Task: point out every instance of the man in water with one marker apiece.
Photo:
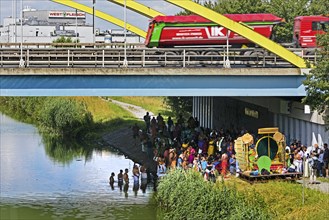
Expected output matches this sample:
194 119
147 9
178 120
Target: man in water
111 180
126 177
120 179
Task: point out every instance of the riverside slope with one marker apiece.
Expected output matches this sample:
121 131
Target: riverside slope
122 139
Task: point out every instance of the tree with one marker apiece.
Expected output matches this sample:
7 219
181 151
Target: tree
317 82
64 117
68 40
180 105
319 7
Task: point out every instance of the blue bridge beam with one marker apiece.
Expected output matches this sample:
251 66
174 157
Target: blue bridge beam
174 82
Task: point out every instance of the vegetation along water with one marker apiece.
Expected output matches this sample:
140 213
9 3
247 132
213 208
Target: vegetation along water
63 180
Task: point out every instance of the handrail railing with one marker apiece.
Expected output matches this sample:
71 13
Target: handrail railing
110 55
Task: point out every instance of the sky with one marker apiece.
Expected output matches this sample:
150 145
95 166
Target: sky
6 10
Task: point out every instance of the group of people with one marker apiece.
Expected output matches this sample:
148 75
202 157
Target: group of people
186 145
311 161
138 173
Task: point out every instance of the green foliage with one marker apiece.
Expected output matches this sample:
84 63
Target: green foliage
288 10
318 7
25 109
185 195
65 151
64 117
63 39
180 105
317 82
285 199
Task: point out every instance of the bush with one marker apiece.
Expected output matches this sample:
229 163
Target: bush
185 195
64 117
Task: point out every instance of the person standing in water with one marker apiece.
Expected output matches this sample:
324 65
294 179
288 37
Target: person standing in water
111 180
126 177
120 179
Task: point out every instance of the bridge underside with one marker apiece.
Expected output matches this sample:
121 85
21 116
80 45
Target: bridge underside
180 82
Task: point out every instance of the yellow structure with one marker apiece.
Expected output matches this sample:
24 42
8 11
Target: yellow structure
241 30
102 15
272 145
138 7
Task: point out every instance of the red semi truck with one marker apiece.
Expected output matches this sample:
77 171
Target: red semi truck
194 30
307 27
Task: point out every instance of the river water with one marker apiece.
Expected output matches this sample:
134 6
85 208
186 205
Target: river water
47 182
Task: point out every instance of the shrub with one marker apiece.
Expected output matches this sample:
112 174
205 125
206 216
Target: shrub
64 117
185 195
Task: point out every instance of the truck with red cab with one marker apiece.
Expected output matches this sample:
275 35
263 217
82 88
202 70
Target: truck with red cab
307 27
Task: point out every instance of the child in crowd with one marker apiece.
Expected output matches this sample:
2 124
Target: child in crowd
232 163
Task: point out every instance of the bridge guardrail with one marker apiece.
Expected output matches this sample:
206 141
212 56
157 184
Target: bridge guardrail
146 57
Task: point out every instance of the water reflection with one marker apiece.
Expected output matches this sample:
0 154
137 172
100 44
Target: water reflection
65 151
56 180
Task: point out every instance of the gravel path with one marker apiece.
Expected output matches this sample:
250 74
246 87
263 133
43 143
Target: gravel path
321 186
137 111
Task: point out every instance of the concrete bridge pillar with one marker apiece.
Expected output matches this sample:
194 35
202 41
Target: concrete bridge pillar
203 110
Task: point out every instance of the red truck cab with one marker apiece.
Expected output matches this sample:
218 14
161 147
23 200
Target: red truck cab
307 27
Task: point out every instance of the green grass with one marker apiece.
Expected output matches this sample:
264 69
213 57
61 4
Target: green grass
153 104
103 110
322 179
107 115
285 199
185 195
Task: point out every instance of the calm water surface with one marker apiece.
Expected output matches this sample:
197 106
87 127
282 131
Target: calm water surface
36 184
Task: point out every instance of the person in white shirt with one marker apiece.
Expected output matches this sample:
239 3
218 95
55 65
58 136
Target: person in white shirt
313 167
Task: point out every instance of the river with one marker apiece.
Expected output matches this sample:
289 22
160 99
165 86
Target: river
45 182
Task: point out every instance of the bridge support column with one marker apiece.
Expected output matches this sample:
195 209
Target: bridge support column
203 110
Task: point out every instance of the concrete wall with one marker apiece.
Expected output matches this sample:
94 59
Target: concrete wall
252 113
235 114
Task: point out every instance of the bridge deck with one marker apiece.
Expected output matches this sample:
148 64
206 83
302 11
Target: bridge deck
150 82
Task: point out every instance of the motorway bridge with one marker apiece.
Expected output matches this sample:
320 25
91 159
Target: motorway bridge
255 92
87 69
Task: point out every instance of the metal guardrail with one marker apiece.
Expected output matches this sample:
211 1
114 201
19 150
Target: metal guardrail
112 55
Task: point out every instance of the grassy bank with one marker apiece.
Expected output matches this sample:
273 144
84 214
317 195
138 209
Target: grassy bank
107 116
285 199
152 104
67 114
185 195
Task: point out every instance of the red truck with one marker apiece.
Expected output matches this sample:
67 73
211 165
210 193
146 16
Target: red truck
194 30
307 27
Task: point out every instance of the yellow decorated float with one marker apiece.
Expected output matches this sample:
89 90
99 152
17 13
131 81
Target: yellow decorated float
265 158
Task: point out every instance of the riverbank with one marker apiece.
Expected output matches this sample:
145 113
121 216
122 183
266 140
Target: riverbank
122 140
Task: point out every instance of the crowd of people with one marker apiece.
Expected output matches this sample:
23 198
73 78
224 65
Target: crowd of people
186 145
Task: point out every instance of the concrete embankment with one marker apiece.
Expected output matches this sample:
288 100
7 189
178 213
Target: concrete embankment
122 139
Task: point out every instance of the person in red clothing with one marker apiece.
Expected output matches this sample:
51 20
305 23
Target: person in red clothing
224 164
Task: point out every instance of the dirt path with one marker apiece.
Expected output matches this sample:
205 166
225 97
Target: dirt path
122 139
137 111
321 186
